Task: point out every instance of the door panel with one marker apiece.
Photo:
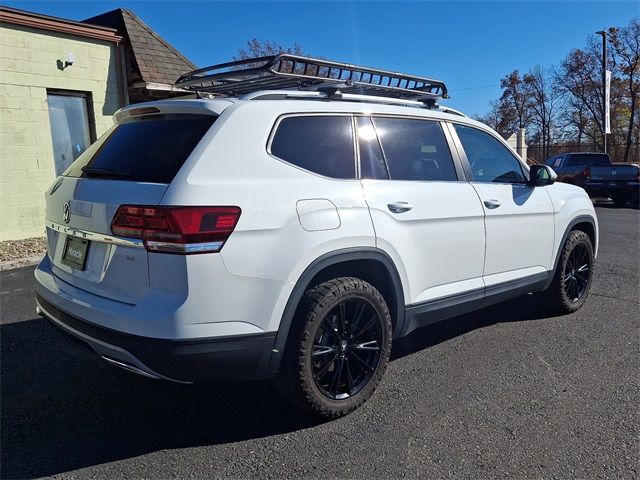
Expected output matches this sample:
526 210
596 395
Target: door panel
440 240
520 228
518 218
428 221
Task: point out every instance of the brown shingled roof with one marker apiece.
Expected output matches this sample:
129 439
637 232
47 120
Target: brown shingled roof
153 59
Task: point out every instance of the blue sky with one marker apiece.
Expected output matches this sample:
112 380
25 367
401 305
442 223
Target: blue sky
468 44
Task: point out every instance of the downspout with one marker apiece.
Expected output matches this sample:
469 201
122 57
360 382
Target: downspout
122 75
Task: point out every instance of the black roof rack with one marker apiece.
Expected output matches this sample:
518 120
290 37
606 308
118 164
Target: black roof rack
286 71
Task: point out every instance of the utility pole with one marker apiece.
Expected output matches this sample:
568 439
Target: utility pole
604 87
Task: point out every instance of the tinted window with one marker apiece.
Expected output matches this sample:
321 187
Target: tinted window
489 159
588 159
320 144
415 149
143 149
371 160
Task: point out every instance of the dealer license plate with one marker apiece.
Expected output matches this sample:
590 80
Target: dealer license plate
75 252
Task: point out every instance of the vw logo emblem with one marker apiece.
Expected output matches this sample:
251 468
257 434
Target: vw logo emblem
66 212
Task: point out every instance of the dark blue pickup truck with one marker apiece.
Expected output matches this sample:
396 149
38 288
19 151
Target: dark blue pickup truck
598 176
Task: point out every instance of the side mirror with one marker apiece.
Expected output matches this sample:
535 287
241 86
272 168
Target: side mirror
541 175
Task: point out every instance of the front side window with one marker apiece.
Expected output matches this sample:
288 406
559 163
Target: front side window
415 149
489 159
320 144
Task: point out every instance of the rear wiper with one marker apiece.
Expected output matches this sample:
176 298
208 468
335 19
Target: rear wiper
103 172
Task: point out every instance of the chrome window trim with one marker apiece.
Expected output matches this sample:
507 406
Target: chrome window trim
93 236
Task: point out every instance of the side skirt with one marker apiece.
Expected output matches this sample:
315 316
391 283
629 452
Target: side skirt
426 313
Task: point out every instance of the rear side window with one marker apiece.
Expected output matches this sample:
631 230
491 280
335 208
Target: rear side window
490 160
415 149
143 149
320 144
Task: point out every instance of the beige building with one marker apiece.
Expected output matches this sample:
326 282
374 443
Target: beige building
60 83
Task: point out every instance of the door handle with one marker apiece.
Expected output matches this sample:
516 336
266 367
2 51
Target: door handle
399 207
491 204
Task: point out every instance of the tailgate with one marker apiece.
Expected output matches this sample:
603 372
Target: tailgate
80 245
614 172
132 164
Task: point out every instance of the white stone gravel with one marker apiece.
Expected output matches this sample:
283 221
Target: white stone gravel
20 253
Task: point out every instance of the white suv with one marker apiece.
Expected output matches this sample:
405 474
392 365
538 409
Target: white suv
294 233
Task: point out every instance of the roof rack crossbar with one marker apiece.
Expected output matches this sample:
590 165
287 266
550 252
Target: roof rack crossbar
286 71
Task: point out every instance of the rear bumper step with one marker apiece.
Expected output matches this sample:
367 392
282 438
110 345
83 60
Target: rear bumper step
238 357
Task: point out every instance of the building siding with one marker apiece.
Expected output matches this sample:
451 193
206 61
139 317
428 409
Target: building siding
28 67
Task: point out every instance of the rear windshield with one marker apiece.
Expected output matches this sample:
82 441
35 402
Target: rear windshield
143 149
588 159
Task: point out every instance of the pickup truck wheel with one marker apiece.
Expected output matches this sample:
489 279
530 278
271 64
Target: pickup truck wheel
620 199
339 352
573 276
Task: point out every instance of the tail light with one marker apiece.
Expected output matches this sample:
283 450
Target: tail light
182 230
587 171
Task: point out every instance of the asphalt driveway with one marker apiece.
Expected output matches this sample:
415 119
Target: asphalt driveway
504 392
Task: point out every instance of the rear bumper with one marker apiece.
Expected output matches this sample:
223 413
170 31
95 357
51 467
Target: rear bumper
605 189
237 357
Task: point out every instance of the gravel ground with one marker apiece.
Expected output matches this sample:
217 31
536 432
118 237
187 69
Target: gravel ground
506 392
15 250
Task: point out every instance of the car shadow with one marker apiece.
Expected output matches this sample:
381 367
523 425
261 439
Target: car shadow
63 409
521 309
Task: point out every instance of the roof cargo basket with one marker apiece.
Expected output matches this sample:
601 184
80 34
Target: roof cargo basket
293 72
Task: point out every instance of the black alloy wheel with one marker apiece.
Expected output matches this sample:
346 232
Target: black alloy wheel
577 273
346 348
572 278
339 349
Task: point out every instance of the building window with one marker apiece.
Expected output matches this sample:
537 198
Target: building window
72 126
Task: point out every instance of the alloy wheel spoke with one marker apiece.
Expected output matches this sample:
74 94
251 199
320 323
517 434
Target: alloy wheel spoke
349 377
322 350
335 381
361 363
328 328
370 323
357 316
372 345
342 308
321 371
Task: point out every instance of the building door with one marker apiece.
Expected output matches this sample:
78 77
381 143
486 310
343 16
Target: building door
70 117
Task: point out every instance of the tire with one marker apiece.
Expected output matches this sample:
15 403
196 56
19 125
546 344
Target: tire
620 199
572 280
338 349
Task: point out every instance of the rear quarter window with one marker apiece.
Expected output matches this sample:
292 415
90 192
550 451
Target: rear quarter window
150 148
320 144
